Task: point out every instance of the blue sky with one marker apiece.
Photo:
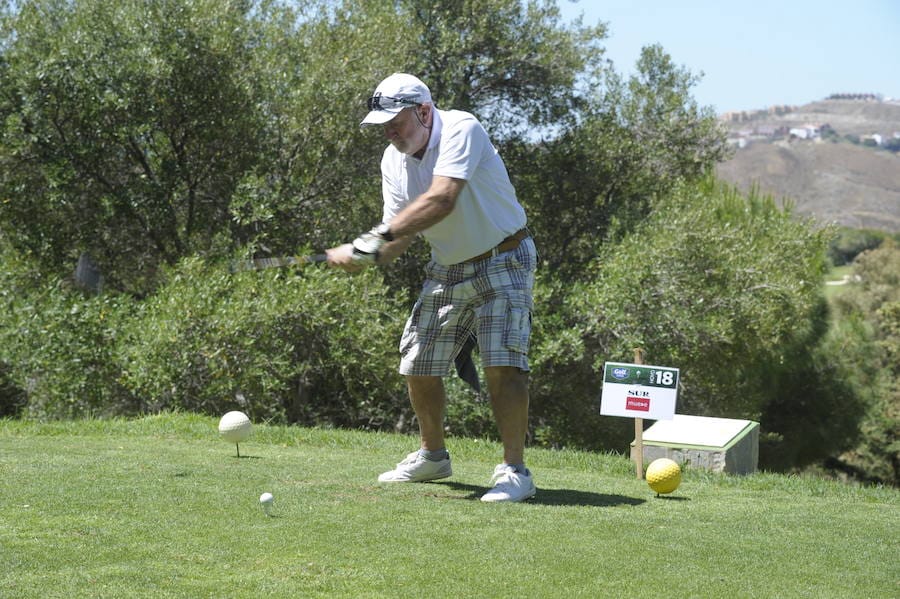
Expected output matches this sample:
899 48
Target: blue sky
762 52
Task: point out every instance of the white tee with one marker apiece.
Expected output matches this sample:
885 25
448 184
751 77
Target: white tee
486 210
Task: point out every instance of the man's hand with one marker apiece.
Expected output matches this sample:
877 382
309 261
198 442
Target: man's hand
342 257
378 246
367 246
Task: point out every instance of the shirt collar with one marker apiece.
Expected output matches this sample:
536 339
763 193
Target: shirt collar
437 125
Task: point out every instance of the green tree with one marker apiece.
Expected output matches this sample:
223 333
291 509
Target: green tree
142 135
725 287
635 141
316 182
154 135
126 126
849 243
873 305
512 63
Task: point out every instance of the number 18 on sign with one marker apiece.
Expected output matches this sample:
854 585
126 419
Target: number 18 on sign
639 391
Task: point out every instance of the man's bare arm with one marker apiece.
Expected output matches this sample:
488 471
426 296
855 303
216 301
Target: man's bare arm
429 208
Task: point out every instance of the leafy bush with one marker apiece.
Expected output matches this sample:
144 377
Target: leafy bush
725 287
874 305
309 345
818 397
596 181
12 398
849 243
58 345
312 346
153 136
126 127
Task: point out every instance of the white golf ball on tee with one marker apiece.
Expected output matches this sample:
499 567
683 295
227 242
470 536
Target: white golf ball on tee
266 500
235 427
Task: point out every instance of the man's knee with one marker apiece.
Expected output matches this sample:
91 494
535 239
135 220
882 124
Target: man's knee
506 380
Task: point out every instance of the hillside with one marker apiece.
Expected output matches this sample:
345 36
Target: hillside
847 117
826 176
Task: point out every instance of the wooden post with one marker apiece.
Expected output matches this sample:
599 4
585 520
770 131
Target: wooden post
639 428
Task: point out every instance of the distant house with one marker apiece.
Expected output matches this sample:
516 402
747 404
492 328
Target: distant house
875 138
809 131
857 97
767 130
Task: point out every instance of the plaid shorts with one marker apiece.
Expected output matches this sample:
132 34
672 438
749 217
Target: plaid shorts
490 299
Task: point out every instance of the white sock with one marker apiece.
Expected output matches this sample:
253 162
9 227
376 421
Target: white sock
434 456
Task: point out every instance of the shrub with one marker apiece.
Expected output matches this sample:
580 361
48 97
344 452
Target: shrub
313 346
308 345
849 243
723 286
873 305
12 397
57 346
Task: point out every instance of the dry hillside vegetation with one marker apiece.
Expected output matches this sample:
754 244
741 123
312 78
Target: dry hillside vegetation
830 180
841 183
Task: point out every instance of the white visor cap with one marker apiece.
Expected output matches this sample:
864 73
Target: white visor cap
392 95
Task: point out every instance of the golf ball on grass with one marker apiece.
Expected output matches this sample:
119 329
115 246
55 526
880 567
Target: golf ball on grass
235 427
663 475
266 500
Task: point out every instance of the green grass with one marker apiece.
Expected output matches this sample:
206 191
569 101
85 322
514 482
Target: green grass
837 274
161 507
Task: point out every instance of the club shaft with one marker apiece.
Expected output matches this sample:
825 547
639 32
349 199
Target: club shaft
278 262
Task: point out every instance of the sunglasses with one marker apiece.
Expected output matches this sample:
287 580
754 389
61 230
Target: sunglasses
379 102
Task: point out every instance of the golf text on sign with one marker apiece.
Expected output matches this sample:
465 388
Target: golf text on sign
639 391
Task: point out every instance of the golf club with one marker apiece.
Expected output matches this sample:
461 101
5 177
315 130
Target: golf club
276 262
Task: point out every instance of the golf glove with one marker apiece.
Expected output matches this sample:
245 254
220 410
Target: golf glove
367 245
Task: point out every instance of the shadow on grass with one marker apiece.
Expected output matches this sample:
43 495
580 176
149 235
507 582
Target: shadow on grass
572 497
554 496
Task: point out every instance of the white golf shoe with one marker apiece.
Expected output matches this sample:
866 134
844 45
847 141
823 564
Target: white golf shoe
510 485
416 469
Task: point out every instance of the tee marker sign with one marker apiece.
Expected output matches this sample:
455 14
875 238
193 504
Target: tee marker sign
639 391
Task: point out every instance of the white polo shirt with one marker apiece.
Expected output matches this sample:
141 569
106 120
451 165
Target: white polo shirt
486 210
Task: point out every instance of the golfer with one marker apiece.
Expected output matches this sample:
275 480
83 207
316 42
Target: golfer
442 178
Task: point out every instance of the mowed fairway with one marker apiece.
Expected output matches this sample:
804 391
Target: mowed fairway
161 507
